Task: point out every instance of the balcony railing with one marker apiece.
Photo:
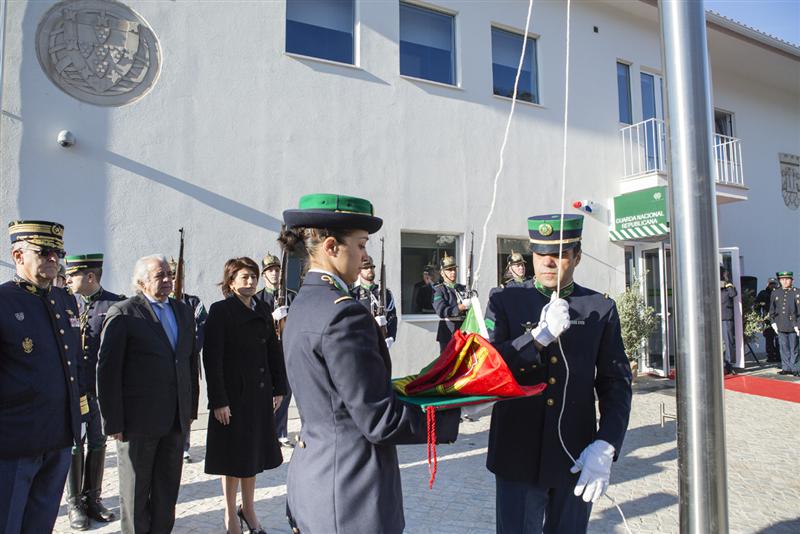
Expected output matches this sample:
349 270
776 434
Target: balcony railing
644 152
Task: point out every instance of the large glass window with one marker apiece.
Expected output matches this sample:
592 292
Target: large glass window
427 44
321 28
507 245
506 48
418 251
624 93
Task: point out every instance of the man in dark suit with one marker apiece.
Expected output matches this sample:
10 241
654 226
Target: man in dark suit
147 385
571 340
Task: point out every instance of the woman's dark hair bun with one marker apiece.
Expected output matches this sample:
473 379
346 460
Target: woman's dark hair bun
291 240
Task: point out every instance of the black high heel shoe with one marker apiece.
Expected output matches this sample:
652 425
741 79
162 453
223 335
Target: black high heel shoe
243 519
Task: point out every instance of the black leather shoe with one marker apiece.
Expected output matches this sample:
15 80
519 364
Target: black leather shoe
242 518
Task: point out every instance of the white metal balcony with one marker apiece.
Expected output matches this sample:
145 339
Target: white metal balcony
644 153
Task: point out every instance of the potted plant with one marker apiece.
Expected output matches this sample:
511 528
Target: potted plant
637 320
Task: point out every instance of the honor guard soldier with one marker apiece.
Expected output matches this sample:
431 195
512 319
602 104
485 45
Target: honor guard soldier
450 301
515 267
368 293
571 341
271 272
422 294
200 317
344 476
85 480
40 406
784 311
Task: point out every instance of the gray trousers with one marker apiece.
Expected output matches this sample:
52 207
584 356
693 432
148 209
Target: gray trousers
788 344
282 414
149 479
729 341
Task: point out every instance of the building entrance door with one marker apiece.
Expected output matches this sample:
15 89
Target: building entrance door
656 277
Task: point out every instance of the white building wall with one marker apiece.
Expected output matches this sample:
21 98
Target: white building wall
235 131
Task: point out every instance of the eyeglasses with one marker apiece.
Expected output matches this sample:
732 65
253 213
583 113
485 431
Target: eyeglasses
46 252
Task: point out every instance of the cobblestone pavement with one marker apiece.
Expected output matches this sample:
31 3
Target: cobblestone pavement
764 490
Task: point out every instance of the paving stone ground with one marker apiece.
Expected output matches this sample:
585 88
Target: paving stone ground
762 456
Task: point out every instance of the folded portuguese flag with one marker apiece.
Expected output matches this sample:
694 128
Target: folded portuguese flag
468 371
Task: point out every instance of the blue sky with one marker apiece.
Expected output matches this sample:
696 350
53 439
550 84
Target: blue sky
780 18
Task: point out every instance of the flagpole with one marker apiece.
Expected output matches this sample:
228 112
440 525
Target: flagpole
701 429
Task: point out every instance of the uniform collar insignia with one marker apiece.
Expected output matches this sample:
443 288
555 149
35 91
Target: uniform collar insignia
31 287
332 279
565 291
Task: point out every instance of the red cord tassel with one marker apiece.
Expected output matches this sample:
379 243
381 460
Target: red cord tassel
430 411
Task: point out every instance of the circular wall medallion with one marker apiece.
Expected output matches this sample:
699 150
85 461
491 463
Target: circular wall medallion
98 51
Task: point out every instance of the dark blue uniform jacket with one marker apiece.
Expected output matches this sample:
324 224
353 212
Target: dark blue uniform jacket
92 315
39 354
445 303
523 439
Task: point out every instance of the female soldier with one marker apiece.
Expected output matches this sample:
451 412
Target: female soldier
246 382
344 475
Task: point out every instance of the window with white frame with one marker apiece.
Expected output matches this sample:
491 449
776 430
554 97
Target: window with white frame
427 44
323 29
506 48
624 93
421 252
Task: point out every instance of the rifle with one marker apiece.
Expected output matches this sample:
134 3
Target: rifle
382 294
178 289
470 270
280 298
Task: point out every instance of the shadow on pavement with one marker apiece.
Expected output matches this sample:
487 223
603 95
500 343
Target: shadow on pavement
790 526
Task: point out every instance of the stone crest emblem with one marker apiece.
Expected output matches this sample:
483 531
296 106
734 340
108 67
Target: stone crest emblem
98 51
790 180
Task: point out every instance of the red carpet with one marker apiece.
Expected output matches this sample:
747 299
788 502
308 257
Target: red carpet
764 387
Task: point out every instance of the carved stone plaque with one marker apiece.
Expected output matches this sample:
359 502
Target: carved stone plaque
790 180
98 51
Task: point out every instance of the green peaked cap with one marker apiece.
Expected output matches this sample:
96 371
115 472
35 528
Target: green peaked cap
78 262
340 212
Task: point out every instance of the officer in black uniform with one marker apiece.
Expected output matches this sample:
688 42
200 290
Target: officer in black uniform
784 311
422 294
727 295
200 317
271 272
516 269
571 340
368 293
40 406
762 308
450 301
85 478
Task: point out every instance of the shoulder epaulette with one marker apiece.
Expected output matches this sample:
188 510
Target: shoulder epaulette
342 299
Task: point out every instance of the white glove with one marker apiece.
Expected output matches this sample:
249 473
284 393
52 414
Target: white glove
381 320
797 330
389 342
594 465
280 313
775 327
553 321
467 304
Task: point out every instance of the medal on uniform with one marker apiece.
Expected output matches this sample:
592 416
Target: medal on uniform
74 322
27 345
20 316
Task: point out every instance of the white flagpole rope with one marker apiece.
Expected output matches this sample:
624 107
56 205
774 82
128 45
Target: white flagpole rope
503 145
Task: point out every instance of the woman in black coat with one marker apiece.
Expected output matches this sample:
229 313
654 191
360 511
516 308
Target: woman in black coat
246 381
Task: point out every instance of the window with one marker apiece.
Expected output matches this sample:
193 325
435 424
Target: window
507 245
630 267
427 48
416 252
624 93
321 28
506 48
